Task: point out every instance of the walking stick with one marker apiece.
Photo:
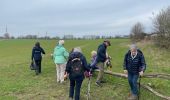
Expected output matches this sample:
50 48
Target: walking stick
88 87
139 87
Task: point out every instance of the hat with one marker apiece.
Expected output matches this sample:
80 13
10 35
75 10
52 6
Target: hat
108 42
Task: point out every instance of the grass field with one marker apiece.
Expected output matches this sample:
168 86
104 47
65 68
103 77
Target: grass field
18 82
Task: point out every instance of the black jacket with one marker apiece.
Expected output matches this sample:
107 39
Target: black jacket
101 53
134 65
36 53
84 64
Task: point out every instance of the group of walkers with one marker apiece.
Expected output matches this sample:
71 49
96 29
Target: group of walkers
74 66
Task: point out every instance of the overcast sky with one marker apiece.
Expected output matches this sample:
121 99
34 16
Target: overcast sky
58 17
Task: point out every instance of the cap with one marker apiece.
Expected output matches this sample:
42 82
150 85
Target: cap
108 42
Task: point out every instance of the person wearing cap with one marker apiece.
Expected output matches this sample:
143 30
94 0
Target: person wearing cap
101 58
60 58
134 66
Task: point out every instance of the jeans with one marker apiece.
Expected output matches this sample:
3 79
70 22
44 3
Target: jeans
133 78
38 66
77 85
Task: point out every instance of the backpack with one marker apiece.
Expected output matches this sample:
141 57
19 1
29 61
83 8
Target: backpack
76 67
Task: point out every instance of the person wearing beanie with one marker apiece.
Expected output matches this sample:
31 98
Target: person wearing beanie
60 56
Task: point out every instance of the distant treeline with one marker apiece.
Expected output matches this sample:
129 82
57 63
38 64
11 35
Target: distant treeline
65 37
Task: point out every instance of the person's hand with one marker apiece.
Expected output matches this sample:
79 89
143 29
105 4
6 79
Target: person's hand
125 71
141 73
65 76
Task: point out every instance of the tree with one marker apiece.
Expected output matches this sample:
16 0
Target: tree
137 32
161 25
6 36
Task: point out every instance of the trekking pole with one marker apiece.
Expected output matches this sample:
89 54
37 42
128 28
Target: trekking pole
88 87
139 87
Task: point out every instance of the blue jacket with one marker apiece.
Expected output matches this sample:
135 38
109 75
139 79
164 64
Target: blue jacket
36 53
101 53
84 64
134 65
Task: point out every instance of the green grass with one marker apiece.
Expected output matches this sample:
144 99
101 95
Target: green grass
17 81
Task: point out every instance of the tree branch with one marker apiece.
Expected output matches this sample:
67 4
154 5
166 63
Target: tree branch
157 75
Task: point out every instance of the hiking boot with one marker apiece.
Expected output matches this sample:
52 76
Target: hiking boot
103 82
133 97
98 84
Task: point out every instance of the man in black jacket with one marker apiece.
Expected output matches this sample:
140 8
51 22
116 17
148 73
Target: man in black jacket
134 66
37 57
101 58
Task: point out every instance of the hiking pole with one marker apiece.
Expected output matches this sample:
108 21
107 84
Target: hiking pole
88 87
139 87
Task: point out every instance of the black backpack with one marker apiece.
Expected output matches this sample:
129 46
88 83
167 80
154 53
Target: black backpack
76 67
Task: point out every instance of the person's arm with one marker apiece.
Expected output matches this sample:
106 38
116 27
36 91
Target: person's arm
125 63
143 64
66 54
42 50
101 52
85 64
32 56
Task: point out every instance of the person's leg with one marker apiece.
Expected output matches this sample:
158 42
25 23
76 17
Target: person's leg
72 85
63 67
36 67
78 87
101 72
130 76
39 66
135 84
58 72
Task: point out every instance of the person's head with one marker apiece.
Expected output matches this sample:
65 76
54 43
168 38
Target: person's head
133 49
107 43
77 49
61 42
93 53
37 44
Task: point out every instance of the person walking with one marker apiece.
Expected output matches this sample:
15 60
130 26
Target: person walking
75 68
134 66
37 52
101 58
60 58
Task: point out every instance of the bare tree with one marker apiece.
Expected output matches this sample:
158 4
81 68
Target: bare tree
137 32
162 27
6 36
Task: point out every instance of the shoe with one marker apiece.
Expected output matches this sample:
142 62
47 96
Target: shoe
98 84
58 81
36 73
133 97
63 82
103 82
